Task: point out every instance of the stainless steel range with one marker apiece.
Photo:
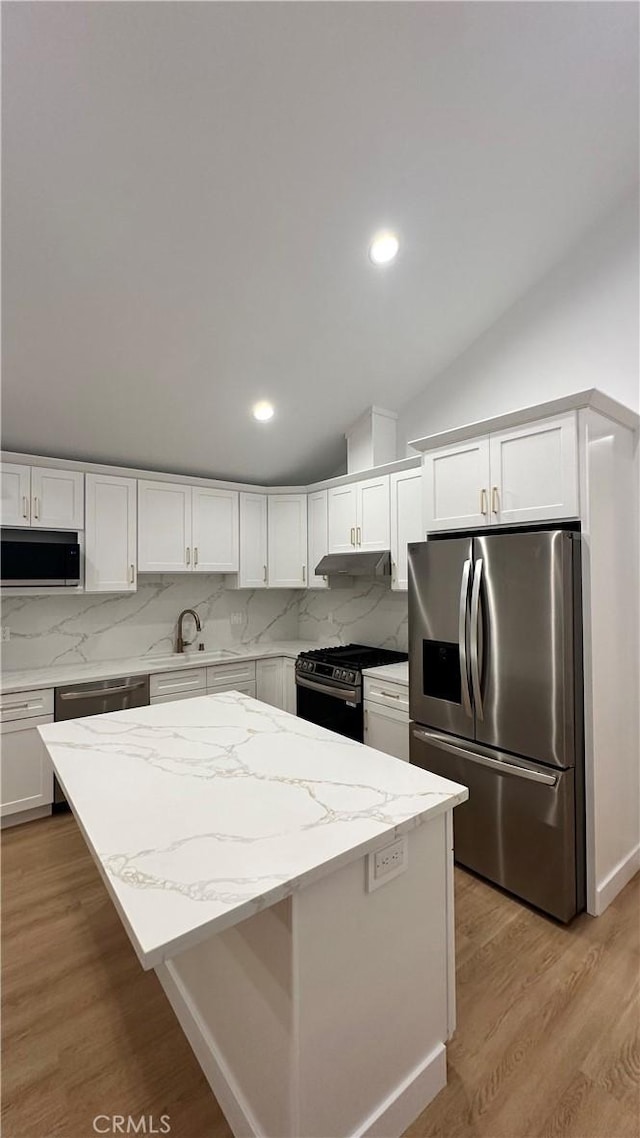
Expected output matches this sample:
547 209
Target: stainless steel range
329 685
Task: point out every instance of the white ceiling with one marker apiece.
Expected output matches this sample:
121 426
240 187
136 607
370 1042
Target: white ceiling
189 191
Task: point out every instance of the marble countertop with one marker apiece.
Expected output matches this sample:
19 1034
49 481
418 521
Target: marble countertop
201 812
56 674
394 673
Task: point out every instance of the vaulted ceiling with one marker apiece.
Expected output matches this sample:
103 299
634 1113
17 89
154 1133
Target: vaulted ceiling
190 190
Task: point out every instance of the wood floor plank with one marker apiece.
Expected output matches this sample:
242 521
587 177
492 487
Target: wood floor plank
547 1042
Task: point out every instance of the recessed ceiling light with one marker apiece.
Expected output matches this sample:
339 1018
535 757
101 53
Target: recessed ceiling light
263 411
383 248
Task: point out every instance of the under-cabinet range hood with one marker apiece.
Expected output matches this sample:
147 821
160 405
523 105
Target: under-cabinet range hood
371 564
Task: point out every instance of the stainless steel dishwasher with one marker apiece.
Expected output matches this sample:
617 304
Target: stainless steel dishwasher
96 698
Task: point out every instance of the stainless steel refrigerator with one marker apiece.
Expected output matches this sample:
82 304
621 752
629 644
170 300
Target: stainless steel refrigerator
495 698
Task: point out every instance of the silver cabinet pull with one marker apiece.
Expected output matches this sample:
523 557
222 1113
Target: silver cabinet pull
390 694
485 760
36 512
475 617
359 536
264 574
353 535
131 574
304 574
15 706
188 556
483 502
495 500
462 637
25 506
195 555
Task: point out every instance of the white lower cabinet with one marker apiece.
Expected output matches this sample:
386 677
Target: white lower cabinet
182 682
270 682
26 774
289 685
386 717
287 541
110 553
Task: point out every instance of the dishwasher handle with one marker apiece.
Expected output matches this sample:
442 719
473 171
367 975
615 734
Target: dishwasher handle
93 692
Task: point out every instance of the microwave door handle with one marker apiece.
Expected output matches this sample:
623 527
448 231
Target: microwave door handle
462 638
473 639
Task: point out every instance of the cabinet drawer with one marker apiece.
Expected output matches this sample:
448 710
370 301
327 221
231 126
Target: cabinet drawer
171 683
25 704
228 676
248 687
174 697
388 694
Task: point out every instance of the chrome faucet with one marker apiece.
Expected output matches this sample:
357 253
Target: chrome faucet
181 643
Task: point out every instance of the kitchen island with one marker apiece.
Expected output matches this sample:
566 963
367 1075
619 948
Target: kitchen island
293 891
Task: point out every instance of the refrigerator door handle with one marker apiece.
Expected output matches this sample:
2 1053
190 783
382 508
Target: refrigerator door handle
484 760
462 638
473 639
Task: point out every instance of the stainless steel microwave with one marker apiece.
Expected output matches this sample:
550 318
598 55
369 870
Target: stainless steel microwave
39 557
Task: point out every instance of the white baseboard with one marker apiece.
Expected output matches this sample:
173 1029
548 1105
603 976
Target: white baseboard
24 816
389 1120
408 1099
615 881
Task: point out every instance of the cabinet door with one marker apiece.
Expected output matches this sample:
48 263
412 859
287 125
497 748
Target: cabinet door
215 530
342 515
26 774
534 472
387 731
289 685
270 682
110 534
164 528
287 541
456 486
318 536
373 522
253 541
16 494
57 498
406 522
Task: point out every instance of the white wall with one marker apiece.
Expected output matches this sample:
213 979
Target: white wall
577 328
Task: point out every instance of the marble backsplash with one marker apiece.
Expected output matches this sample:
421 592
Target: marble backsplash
107 626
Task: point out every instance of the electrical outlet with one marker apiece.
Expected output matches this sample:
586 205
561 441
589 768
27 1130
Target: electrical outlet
237 618
386 863
6 632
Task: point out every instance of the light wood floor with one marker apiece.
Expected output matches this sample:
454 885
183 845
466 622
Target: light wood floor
546 1047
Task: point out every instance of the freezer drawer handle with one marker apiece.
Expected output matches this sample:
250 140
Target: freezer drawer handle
101 691
484 760
475 614
462 637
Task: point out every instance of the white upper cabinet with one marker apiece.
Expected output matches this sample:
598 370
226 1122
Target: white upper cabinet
456 486
342 515
57 498
164 527
406 522
359 516
215 530
534 472
16 494
42 497
252 573
318 532
110 534
373 529
287 541
524 474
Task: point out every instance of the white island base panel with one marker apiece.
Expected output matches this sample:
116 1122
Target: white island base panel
326 1015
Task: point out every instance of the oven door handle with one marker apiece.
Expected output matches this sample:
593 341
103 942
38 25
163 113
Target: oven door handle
349 695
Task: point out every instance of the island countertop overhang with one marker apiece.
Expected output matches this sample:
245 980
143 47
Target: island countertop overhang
201 812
